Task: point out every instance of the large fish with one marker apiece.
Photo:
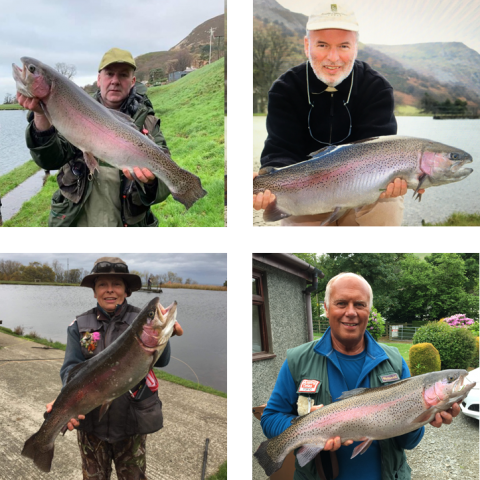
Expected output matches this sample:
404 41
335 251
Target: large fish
105 377
101 132
367 414
339 178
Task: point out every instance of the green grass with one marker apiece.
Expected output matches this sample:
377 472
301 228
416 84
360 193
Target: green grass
458 220
14 106
221 474
192 114
410 111
403 348
16 176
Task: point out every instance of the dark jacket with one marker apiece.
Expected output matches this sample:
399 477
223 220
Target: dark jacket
289 141
127 205
126 416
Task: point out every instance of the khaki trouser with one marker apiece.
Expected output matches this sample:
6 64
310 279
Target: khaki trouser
385 212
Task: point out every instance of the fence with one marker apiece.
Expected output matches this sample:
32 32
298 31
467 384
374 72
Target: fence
401 332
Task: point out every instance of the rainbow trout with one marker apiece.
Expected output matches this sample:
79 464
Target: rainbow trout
339 178
101 132
105 377
367 414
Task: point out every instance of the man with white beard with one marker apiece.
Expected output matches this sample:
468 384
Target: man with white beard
331 99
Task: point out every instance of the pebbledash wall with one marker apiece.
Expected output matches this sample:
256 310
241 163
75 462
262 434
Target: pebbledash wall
287 315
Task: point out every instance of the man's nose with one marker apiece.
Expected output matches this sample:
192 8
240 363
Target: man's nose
333 55
351 312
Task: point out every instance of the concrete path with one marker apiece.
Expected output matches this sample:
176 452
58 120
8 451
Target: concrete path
32 380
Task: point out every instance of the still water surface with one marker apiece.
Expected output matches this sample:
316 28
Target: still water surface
437 202
13 149
464 196
49 310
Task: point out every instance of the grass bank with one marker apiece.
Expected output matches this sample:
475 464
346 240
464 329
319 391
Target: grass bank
15 177
410 111
458 220
14 106
193 287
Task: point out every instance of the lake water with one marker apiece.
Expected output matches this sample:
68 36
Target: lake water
13 149
49 310
437 202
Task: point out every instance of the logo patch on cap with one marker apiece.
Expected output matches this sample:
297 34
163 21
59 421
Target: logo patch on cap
334 7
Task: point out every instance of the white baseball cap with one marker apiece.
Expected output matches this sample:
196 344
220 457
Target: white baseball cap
332 15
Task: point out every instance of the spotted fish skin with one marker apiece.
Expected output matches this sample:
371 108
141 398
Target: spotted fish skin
367 414
101 132
339 178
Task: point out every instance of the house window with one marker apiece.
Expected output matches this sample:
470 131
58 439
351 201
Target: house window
260 341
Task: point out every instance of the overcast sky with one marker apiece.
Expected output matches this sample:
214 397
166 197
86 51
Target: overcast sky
394 22
205 268
80 32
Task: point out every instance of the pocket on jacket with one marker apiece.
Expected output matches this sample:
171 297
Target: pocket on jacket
145 416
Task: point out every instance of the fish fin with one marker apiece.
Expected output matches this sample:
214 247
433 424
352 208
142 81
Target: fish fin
419 195
336 214
369 139
273 213
307 453
91 162
64 429
189 196
267 170
74 371
46 112
296 419
139 182
353 393
425 416
123 118
362 448
41 455
269 464
104 409
323 151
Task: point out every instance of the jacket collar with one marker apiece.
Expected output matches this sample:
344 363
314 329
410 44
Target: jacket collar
317 86
102 315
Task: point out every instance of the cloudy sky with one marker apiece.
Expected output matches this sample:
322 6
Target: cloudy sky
393 22
205 268
80 32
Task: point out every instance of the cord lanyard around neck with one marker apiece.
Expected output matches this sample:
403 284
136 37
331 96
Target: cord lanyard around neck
329 89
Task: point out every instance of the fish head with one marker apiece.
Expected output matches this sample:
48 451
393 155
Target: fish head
155 325
34 79
446 387
444 164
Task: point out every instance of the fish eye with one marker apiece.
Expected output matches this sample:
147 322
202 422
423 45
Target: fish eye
31 68
151 314
454 156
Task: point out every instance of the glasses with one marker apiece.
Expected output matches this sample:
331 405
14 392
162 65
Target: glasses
106 267
330 143
344 104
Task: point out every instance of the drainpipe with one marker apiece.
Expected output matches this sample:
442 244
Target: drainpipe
308 301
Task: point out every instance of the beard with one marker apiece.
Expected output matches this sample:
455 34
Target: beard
317 69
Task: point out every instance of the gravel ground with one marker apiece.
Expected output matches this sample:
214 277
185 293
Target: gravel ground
447 453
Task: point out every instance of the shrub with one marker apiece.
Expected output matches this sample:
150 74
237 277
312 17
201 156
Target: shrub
455 345
474 328
474 362
376 324
459 321
423 358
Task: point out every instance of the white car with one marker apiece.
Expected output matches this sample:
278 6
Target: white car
470 405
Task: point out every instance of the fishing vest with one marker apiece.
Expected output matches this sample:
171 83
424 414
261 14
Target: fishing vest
303 363
126 416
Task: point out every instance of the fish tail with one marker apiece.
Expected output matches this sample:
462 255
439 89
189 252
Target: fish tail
191 195
269 464
41 455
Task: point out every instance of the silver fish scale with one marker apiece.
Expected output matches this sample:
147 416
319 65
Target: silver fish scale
353 175
401 403
113 138
371 158
67 99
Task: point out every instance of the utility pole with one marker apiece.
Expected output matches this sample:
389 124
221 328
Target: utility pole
211 35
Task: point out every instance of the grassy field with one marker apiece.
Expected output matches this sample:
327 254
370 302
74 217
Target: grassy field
15 106
16 176
458 220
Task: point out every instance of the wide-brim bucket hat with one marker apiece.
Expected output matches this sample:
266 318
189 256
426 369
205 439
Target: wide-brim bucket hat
112 266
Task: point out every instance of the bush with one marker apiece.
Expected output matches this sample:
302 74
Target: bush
424 358
475 329
459 321
474 362
455 345
376 324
